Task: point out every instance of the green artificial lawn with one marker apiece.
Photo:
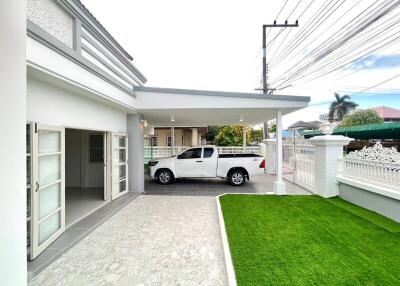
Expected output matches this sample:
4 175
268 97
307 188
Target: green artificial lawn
309 240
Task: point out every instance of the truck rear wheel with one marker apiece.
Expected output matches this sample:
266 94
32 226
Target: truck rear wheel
165 177
237 178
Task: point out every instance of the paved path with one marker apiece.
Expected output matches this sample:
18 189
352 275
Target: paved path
155 240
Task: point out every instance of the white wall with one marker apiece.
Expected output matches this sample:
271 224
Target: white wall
53 105
13 267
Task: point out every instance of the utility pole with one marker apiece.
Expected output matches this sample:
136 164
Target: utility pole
265 87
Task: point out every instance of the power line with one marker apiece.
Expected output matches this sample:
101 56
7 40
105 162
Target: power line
336 45
280 11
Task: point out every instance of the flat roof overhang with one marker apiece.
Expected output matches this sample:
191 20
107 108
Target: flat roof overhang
204 107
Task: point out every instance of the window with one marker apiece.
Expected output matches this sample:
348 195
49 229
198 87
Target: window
153 141
169 143
208 152
194 153
96 148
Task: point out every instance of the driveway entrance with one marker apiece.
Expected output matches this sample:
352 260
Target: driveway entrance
155 240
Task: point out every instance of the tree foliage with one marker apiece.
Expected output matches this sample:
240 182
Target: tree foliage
231 136
340 107
361 117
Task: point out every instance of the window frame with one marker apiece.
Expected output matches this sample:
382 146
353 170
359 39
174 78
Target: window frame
204 152
201 154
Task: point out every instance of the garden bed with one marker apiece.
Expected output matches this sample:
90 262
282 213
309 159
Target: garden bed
308 240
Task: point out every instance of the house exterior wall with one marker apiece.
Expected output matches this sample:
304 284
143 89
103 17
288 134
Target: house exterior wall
53 105
183 136
53 19
13 268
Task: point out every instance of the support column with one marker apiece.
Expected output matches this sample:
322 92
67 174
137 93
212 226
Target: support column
13 265
270 156
135 153
195 137
172 140
244 138
279 185
328 154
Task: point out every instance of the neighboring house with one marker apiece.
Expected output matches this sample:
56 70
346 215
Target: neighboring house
184 136
299 127
76 96
387 114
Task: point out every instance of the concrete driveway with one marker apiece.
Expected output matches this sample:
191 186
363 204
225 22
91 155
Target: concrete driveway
170 236
155 240
217 186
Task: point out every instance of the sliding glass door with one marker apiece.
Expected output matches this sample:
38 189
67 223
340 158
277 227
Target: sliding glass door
119 162
48 186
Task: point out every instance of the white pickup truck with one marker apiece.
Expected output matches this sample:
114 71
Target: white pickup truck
205 162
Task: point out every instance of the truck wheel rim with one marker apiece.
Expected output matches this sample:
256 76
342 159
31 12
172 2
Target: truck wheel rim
237 178
164 177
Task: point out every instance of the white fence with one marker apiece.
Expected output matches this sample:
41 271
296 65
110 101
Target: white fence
299 164
162 152
376 165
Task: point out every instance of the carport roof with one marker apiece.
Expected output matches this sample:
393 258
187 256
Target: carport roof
222 93
198 108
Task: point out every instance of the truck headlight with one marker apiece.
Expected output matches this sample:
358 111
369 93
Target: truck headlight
153 163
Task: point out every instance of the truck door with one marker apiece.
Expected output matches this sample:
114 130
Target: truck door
189 164
210 158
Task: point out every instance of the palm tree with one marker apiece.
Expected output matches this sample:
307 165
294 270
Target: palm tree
340 107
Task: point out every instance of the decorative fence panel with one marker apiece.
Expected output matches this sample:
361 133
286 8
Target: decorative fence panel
376 165
298 163
162 152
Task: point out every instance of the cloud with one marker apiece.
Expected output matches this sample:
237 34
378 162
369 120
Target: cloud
376 62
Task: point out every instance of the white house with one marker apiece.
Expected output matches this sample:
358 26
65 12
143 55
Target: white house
73 112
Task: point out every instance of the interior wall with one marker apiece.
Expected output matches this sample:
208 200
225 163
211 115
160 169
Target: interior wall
73 158
79 172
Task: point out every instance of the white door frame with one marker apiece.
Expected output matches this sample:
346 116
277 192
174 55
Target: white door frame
114 161
36 249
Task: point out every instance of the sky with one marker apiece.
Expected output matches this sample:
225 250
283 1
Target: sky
216 45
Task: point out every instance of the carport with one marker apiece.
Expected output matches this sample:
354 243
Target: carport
172 107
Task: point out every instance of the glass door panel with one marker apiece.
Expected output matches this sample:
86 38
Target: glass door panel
119 165
48 189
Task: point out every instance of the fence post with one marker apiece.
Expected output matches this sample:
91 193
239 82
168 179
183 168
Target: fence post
269 153
328 154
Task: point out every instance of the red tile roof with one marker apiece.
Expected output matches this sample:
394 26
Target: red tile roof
387 112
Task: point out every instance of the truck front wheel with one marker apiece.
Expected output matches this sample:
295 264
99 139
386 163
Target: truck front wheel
237 178
165 177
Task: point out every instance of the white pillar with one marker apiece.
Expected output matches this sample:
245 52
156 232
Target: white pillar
13 266
244 138
172 140
270 155
279 185
195 137
328 154
135 153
